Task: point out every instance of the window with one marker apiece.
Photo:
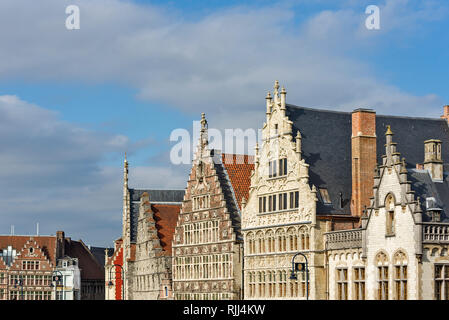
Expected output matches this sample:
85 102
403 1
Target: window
442 281
359 283
389 207
283 167
294 199
283 201
382 276
342 283
400 276
325 196
272 169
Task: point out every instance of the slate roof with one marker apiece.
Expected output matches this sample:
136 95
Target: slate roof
98 253
172 199
90 267
162 196
326 147
424 188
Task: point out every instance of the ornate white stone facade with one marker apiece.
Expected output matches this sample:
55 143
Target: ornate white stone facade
275 230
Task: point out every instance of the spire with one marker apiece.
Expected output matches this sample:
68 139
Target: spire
276 93
389 132
125 173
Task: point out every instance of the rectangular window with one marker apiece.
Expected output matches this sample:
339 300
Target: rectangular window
382 283
283 167
270 203
359 283
400 282
442 282
260 205
296 199
292 200
342 283
274 203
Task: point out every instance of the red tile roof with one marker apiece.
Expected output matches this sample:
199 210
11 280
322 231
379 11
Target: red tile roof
239 169
166 216
46 243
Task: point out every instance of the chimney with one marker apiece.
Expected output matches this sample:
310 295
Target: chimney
432 159
364 159
445 113
60 252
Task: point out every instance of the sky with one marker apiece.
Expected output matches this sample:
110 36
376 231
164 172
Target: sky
72 102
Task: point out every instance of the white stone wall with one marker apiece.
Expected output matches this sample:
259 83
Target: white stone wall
403 239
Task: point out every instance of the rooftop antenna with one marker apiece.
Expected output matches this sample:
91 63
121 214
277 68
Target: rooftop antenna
12 230
37 229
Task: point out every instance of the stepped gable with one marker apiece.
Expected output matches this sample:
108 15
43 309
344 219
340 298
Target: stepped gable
326 147
172 198
47 244
165 217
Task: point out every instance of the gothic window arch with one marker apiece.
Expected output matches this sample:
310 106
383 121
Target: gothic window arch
381 263
260 242
250 242
281 240
292 239
270 241
400 262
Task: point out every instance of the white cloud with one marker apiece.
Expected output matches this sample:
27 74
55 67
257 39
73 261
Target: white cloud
53 173
219 63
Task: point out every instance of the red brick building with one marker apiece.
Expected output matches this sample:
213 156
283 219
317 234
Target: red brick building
27 264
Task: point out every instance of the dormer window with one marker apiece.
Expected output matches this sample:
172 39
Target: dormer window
325 196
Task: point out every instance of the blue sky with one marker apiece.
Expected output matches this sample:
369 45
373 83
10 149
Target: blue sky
75 101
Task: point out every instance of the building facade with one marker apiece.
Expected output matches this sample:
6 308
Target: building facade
282 216
207 245
400 252
28 265
140 267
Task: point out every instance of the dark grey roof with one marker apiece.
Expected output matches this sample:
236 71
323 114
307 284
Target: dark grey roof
158 195
228 193
326 147
165 196
424 188
99 252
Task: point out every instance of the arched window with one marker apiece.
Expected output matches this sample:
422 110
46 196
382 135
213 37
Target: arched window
270 241
381 262
291 234
400 275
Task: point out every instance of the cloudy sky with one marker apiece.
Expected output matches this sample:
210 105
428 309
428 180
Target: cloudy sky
73 101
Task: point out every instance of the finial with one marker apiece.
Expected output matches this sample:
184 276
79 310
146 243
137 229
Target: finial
126 161
276 85
203 121
298 134
268 97
283 90
389 132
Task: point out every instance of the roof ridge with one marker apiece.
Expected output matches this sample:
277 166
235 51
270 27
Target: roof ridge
377 114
